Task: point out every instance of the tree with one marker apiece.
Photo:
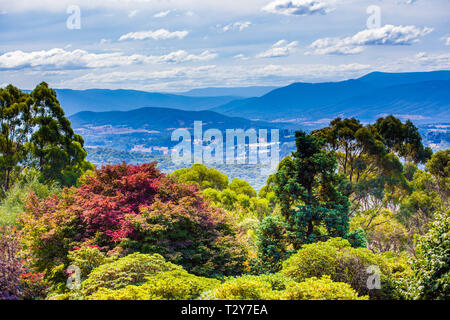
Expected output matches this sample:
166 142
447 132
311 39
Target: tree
359 149
133 209
272 244
15 120
307 190
403 139
57 151
202 176
242 187
439 167
36 133
431 269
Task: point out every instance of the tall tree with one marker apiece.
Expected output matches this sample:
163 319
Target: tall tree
15 120
307 188
57 151
35 132
403 139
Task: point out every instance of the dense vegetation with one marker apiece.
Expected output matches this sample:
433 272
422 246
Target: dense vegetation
356 212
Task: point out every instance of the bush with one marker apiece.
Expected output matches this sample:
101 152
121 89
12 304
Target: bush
242 288
130 270
137 209
337 259
320 289
431 269
15 199
279 287
87 258
171 285
11 266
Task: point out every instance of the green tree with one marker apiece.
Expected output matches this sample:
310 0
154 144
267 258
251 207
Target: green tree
242 187
272 244
439 167
403 139
307 190
15 121
57 151
202 176
431 269
35 132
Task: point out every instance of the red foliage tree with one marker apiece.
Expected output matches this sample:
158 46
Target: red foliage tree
136 208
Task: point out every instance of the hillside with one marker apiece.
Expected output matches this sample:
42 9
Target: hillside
419 95
98 100
423 101
161 119
244 92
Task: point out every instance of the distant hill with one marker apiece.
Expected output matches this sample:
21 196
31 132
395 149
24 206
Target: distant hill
295 100
383 79
424 101
244 92
420 96
74 101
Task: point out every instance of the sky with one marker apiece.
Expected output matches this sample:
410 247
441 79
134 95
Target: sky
178 45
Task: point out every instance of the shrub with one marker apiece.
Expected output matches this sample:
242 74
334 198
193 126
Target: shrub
11 266
320 289
15 199
87 258
135 208
242 288
171 285
34 286
337 259
130 270
279 287
431 269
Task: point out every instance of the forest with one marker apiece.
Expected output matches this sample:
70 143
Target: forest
356 212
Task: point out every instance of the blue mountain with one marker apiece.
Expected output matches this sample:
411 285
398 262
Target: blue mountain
244 92
74 101
420 96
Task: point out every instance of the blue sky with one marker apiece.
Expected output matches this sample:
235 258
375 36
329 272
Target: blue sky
177 45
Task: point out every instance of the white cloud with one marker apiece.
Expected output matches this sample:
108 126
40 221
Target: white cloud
79 59
429 61
280 49
161 14
179 78
446 40
149 6
298 7
386 35
183 56
237 26
240 56
161 34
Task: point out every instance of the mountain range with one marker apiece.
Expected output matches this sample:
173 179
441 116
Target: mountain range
163 120
243 92
418 96
74 101
421 96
